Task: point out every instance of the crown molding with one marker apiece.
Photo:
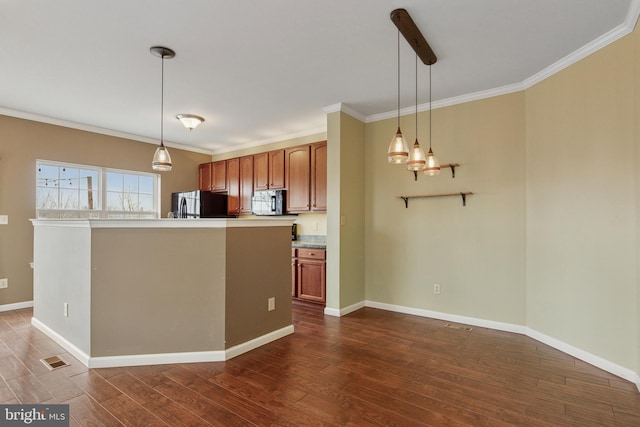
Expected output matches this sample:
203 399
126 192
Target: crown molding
95 129
611 36
271 140
344 108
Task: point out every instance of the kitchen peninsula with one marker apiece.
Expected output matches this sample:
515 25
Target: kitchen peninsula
138 292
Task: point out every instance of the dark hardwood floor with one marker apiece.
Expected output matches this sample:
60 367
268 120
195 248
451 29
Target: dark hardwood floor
370 368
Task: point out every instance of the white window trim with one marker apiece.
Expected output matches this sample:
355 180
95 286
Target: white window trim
99 211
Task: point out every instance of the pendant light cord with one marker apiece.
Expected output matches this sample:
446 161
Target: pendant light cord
430 108
398 52
162 102
417 97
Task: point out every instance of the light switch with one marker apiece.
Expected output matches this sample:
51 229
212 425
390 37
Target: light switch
4 219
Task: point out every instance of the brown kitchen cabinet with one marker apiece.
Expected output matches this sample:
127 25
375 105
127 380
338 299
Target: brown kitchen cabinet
319 176
310 275
233 186
205 176
246 183
268 170
219 176
294 274
298 178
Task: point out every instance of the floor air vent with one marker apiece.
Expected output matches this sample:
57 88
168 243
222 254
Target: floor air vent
464 328
54 362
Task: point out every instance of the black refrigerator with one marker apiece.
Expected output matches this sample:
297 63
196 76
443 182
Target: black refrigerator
199 204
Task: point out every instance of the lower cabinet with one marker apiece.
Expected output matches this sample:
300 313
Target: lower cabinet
308 274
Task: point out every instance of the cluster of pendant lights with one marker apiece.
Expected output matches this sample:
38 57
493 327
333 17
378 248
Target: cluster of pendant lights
161 159
398 152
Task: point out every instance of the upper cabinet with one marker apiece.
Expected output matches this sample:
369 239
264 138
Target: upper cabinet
261 171
219 176
319 176
213 176
298 178
268 170
276 170
246 183
205 176
233 186
301 170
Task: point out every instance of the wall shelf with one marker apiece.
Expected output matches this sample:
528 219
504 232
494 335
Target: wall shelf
462 194
452 166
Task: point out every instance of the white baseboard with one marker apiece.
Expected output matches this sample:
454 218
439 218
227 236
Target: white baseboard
482 323
343 311
257 342
585 356
155 359
160 358
61 341
16 306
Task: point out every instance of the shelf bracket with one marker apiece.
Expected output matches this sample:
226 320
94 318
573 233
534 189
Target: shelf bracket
453 169
464 196
406 201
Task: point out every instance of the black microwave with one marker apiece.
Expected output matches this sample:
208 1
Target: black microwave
268 202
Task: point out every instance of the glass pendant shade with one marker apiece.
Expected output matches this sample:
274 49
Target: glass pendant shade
433 164
161 160
398 152
417 160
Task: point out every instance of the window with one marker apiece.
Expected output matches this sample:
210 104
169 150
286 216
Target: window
77 191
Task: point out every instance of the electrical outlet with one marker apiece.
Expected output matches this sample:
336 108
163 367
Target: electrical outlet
4 283
315 226
436 289
271 303
4 219
66 309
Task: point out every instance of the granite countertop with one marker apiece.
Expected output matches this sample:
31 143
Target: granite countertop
310 242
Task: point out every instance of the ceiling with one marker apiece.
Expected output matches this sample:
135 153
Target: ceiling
261 71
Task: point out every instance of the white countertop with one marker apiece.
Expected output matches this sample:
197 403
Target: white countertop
166 223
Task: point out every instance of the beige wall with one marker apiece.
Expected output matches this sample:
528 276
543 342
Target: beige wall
475 253
258 267
24 141
581 205
352 213
157 290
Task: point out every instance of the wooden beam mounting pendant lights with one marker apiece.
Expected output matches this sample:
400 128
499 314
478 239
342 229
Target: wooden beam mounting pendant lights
414 37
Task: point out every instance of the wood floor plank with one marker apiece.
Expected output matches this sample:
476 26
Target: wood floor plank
28 389
369 368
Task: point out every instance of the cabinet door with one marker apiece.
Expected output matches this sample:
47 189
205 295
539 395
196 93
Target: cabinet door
205 176
298 166
294 275
311 280
246 183
233 186
219 176
261 171
276 170
319 176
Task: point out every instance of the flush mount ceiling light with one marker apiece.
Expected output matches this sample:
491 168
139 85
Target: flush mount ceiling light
190 121
416 160
161 159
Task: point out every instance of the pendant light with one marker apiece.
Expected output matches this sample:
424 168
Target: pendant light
398 152
417 160
433 165
161 159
